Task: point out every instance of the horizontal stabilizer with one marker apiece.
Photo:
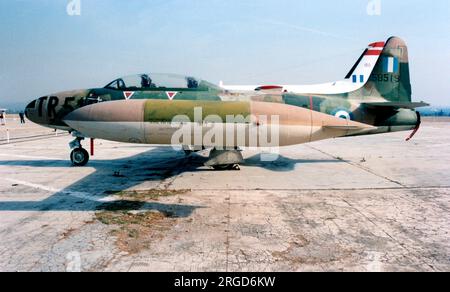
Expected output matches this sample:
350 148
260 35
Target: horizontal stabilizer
405 105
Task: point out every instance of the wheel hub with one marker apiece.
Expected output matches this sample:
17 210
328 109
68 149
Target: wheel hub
78 157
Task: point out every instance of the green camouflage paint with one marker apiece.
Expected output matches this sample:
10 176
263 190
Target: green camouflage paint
153 112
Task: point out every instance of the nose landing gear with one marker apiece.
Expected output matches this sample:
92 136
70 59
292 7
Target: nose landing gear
79 156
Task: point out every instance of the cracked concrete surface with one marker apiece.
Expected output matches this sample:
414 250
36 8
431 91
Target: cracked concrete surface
358 204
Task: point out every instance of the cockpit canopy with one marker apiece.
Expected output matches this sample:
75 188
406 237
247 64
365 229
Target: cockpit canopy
158 82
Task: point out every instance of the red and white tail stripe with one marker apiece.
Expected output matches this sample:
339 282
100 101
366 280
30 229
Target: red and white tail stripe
375 49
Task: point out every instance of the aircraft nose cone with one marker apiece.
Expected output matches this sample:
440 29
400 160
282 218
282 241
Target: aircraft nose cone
31 111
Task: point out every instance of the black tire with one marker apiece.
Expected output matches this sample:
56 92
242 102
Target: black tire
226 167
79 157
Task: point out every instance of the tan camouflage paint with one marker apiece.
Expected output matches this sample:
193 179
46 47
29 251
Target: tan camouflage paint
130 121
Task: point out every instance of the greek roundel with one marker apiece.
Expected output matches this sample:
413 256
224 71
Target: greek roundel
343 114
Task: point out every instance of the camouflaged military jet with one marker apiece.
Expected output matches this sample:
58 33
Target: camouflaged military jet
374 98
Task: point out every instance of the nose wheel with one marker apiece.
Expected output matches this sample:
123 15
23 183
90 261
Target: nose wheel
79 157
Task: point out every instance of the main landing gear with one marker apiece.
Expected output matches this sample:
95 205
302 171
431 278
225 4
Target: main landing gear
225 159
79 156
219 159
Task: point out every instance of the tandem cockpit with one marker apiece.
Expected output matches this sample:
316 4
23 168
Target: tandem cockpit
157 82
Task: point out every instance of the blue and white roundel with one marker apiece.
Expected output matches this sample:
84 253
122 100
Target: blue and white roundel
343 114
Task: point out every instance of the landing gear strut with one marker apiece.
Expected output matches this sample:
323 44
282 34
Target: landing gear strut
79 156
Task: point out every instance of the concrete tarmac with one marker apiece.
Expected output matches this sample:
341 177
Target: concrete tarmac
373 203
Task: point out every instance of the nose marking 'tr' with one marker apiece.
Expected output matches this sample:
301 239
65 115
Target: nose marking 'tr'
51 106
41 103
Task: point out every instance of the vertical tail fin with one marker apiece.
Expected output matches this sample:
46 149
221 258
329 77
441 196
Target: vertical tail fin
390 78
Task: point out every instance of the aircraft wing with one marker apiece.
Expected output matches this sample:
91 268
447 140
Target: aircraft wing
406 105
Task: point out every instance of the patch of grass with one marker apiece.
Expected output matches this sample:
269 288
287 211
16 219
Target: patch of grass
133 233
124 218
153 194
123 206
135 228
136 231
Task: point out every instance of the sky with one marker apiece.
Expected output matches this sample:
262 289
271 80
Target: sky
45 50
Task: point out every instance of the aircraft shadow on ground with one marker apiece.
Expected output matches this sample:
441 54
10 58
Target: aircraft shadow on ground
114 176
282 163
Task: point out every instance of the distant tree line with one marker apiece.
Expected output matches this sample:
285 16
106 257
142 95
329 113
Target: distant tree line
435 112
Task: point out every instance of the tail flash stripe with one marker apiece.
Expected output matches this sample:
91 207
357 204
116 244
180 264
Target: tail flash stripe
373 53
396 65
377 45
390 65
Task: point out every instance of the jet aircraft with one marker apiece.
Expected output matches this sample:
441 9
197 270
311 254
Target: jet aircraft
374 98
